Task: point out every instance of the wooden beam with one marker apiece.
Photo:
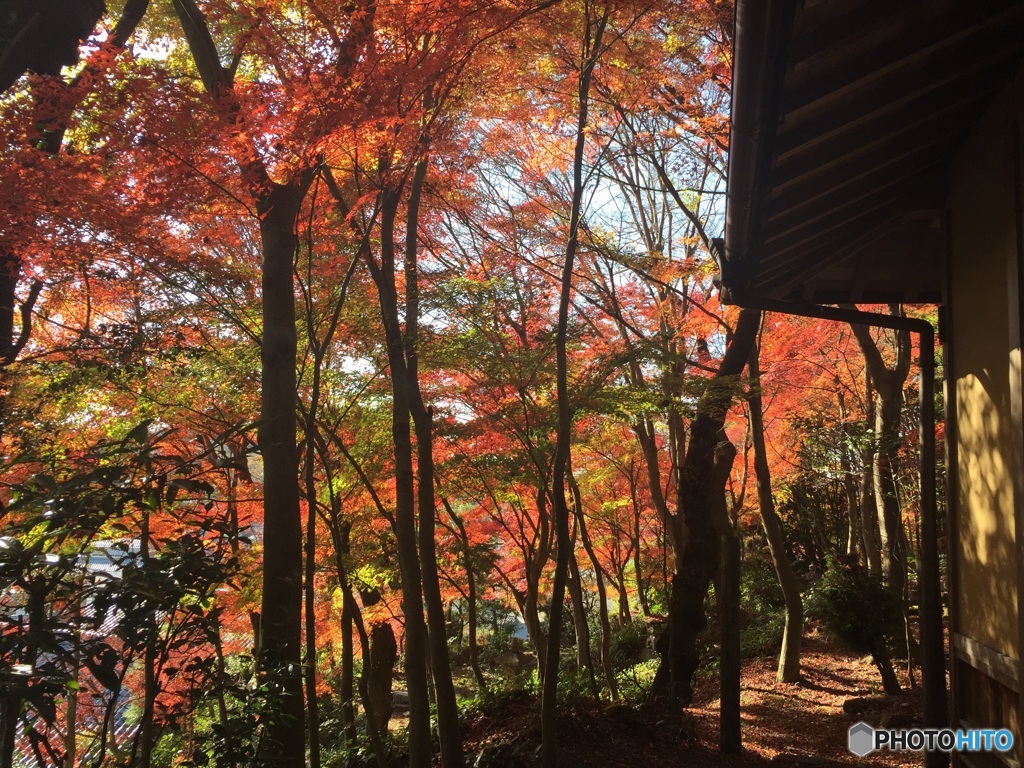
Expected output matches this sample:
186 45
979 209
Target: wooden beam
891 202
822 27
884 153
782 274
962 34
913 178
992 61
778 202
960 96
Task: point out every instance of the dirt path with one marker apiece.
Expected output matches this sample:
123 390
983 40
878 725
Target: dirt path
802 725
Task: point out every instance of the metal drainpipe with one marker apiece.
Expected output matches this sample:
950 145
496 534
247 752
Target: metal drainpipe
933 657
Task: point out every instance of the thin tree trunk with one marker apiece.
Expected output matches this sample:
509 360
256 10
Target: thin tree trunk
855 528
379 676
142 749
602 591
531 618
405 496
641 584
869 516
471 596
574 584
866 488
789 656
444 689
71 713
889 386
854 541
352 612
10 708
348 714
222 674
448 728
890 683
584 662
312 705
625 615
373 718
592 47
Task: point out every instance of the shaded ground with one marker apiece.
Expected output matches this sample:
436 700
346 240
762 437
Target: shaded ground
783 724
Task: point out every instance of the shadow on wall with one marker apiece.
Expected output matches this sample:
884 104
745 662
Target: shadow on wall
987 568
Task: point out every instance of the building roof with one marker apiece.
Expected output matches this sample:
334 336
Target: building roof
846 117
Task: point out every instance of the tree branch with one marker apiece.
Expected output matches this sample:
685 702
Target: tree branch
26 322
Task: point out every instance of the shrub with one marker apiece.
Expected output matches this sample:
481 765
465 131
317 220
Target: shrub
861 613
855 607
635 682
629 642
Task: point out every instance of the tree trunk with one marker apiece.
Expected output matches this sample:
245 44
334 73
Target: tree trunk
866 489
10 708
444 689
703 476
592 47
416 643
471 618
644 431
869 516
855 530
348 714
309 578
409 566
641 584
340 537
889 386
890 683
727 590
373 719
281 611
448 728
142 748
625 615
602 591
352 616
380 672
531 618
10 270
71 721
789 657
887 429
584 662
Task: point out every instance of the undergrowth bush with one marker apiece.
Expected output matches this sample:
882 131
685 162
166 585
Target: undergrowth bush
360 754
629 642
855 607
635 682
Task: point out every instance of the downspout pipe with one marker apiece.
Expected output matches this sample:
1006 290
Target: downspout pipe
933 657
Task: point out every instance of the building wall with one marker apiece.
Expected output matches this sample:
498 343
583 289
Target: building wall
984 300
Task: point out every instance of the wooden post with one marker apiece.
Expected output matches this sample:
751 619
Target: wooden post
729 738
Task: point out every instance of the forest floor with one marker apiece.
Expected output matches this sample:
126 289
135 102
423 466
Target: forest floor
801 724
